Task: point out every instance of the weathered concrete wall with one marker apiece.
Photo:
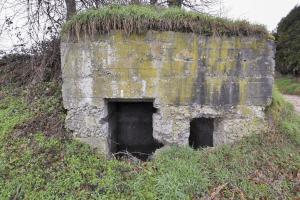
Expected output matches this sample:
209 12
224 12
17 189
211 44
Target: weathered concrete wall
187 76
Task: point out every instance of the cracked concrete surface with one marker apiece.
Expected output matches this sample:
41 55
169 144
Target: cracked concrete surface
187 76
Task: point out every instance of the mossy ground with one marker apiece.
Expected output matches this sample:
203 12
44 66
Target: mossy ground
35 165
288 85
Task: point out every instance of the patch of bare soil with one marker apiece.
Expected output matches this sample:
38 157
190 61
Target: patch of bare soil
48 122
50 125
35 65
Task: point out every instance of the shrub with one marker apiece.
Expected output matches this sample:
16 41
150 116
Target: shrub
288 43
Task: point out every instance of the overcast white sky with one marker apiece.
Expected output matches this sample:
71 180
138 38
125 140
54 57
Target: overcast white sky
268 12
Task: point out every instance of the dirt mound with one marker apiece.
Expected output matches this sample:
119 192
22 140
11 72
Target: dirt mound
49 125
45 103
35 65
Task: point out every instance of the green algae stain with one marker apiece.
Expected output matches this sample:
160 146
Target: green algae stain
133 65
243 89
163 65
219 60
225 60
245 66
238 43
179 68
257 45
187 90
214 86
213 53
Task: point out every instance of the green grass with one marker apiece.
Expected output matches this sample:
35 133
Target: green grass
139 19
35 166
288 85
13 112
283 115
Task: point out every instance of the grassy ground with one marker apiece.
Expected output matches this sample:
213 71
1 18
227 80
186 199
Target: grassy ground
38 163
288 85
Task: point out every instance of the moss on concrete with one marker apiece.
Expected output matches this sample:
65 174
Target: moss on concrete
243 84
168 65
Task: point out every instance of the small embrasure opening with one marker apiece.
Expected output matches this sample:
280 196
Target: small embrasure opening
201 132
130 127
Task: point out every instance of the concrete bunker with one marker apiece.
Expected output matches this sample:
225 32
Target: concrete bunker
214 83
201 132
130 128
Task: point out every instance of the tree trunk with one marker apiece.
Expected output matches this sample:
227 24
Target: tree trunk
71 8
137 2
153 2
177 3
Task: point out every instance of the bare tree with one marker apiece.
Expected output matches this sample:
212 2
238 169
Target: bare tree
177 3
2 22
33 21
153 2
197 5
71 8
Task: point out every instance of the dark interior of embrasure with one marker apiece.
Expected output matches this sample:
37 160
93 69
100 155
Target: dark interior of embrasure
201 133
130 127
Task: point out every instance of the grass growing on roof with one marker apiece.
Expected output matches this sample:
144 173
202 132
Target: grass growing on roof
138 19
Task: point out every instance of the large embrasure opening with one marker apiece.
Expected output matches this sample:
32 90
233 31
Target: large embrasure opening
130 127
201 132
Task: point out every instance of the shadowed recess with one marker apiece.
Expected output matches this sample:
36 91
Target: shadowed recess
201 132
130 125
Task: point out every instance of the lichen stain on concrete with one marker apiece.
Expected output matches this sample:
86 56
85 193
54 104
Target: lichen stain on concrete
186 75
